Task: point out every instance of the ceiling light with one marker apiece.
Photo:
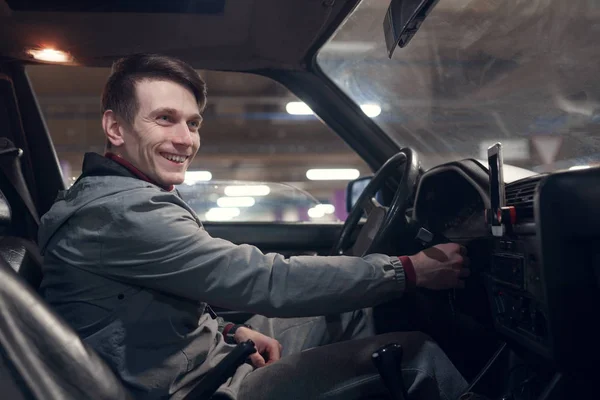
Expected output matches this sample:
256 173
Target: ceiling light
332 174
193 177
349 46
327 208
576 167
221 214
236 201
298 108
315 212
371 110
50 55
247 190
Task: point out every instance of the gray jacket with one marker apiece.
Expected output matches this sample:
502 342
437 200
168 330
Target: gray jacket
130 267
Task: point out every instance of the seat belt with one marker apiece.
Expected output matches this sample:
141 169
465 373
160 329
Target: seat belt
10 166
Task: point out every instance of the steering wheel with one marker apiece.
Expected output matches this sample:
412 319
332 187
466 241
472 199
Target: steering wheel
380 219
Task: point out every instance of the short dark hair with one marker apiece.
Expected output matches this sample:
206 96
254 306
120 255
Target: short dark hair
119 92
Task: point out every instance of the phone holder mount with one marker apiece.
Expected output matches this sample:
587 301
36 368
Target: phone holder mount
501 220
499 216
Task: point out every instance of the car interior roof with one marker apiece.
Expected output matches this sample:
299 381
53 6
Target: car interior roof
246 35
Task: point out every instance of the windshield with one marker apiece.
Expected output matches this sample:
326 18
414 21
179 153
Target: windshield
524 73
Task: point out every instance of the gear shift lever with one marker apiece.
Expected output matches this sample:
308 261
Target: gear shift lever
388 360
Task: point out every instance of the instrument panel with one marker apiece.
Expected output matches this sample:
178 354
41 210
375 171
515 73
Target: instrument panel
451 203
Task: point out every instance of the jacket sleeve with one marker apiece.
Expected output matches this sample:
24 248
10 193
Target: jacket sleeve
222 324
159 244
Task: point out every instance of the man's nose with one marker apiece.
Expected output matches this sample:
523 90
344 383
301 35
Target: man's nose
183 135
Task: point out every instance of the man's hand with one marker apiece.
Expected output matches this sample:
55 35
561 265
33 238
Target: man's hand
268 350
441 266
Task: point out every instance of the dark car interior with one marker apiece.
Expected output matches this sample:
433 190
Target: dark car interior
524 326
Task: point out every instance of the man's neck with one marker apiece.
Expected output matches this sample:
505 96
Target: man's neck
134 170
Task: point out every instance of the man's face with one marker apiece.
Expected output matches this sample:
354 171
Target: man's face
164 137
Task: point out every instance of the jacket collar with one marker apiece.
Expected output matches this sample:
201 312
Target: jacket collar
112 165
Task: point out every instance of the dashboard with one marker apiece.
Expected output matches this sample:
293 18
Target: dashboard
541 268
451 201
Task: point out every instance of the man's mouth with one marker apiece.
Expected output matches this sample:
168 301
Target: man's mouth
179 159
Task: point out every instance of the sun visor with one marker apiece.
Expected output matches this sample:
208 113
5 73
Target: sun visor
134 6
402 20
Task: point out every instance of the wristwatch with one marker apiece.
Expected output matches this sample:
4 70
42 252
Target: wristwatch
229 334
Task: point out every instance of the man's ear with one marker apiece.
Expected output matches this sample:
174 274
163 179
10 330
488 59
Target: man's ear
112 128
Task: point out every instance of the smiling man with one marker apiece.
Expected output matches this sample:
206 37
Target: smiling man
159 131
130 267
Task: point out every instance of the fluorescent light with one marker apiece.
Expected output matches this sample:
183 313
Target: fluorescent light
371 110
327 208
332 174
193 177
575 167
236 201
315 212
50 55
221 214
247 190
298 108
349 47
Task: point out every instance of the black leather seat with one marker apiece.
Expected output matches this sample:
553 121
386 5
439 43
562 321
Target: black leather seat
21 254
40 356
24 257
18 217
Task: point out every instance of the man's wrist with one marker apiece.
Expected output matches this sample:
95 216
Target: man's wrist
409 271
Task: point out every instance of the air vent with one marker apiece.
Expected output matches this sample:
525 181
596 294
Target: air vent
520 195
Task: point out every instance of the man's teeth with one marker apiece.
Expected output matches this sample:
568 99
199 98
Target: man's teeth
174 158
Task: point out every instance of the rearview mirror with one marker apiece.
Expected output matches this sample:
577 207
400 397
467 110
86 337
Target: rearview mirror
354 190
402 20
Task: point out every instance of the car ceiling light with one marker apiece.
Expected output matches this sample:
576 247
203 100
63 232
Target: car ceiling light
247 190
193 177
221 214
298 108
236 201
50 55
371 110
332 174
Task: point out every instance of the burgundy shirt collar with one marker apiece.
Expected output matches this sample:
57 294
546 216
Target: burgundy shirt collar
134 170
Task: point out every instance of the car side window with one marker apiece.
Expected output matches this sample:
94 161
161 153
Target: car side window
264 156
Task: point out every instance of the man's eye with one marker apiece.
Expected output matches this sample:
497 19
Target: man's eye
165 118
194 124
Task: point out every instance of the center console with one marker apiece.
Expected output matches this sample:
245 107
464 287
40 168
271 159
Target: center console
514 279
543 278
516 294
